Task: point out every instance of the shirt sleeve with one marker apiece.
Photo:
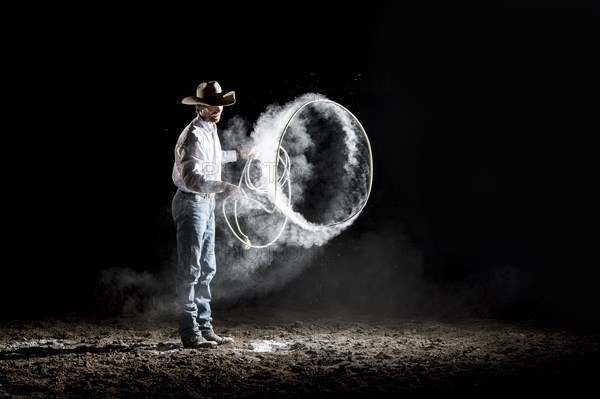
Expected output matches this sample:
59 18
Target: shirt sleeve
192 166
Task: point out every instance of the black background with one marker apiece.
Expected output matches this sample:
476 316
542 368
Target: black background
481 120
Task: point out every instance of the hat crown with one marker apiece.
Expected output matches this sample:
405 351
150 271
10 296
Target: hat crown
209 90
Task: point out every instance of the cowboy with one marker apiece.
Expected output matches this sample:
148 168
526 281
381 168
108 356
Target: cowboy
197 175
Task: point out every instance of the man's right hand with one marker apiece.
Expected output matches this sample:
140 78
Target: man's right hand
246 153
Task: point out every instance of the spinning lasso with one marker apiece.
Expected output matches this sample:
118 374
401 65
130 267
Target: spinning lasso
282 189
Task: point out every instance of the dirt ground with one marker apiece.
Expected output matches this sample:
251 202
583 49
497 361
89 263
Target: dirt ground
293 354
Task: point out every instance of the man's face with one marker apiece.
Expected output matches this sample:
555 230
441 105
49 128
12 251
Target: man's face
210 113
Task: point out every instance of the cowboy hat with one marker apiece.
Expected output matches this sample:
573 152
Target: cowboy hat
210 93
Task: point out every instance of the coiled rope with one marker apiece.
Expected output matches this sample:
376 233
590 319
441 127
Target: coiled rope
282 181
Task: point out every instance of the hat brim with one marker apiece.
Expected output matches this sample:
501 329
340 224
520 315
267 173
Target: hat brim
226 99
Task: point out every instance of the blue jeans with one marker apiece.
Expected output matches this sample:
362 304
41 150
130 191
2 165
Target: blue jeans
194 217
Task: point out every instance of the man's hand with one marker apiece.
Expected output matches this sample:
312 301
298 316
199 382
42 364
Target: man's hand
231 189
246 153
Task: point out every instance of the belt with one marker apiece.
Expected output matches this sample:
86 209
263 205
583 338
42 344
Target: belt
204 195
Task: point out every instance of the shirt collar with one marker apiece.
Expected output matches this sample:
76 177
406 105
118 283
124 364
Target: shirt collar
204 125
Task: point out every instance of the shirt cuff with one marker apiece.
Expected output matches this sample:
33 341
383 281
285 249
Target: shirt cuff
229 156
